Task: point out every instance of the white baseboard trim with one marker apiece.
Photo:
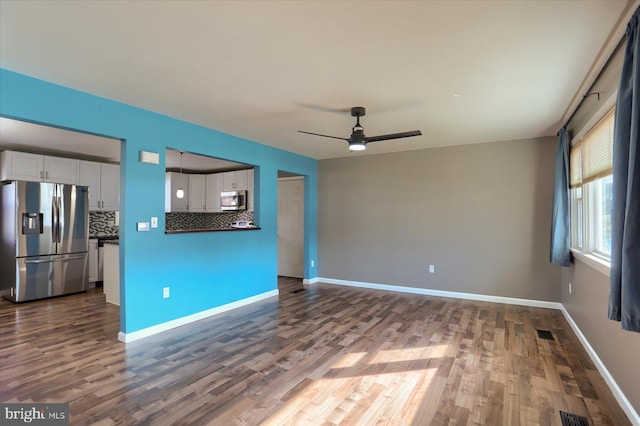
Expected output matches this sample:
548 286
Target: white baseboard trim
310 280
617 392
442 293
155 329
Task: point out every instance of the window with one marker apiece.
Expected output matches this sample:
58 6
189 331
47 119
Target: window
592 190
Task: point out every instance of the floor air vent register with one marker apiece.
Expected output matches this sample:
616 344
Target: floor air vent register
569 419
545 334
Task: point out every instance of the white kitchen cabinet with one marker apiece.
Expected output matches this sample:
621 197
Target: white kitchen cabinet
213 190
103 181
37 168
250 188
93 260
234 181
197 193
110 187
174 181
22 166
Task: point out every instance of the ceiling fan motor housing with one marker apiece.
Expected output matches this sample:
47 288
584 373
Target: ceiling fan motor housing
358 111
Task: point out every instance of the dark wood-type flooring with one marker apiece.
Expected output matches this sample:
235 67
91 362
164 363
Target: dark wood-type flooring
320 356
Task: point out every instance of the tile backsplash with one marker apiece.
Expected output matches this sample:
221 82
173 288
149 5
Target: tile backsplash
181 221
102 223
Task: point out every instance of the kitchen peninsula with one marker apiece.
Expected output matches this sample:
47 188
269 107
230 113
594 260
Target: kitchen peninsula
111 275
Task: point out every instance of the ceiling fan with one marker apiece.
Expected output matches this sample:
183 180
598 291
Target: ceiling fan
358 140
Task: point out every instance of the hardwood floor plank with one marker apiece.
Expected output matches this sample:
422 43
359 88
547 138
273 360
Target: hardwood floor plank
325 355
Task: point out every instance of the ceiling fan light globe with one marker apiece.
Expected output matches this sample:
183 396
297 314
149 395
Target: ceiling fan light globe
357 146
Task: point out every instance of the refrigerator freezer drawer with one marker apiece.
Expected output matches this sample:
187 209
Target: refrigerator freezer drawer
47 276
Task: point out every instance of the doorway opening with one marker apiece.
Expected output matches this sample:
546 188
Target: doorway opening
88 160
291 201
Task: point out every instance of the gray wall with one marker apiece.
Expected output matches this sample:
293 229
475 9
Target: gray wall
480 213
587 305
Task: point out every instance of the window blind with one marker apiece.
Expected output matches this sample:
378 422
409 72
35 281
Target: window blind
575 166
592 158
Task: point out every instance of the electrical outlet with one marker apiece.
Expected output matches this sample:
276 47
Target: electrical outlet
165 293
432 269
570 290
313 263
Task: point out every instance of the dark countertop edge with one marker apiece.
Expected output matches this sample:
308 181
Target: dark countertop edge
114 242
189 231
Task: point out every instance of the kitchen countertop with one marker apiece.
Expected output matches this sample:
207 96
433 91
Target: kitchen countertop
115 242
186 231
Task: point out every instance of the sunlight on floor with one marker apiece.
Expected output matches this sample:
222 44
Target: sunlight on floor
388 386
412 354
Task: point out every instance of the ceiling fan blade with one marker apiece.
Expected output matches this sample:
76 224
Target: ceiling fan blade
324 136
323 108
393 136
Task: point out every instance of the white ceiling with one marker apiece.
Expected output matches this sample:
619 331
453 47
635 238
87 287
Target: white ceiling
460 71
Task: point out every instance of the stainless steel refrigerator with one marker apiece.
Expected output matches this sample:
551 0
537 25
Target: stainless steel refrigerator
44 240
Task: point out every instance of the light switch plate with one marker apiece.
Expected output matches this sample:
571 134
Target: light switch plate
142 226
154 222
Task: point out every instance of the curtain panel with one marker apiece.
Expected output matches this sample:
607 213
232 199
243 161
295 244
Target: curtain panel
560 253
624 295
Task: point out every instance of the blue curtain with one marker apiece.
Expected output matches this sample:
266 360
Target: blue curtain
624 297
560 253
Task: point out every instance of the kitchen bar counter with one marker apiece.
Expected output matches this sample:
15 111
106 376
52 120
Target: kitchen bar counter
185 231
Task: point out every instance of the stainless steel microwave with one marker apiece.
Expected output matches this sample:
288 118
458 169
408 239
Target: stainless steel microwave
233 200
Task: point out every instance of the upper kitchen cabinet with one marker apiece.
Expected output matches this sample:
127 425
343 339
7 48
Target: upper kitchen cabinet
174 181
196 193
235 181
103 181
37 168
213 188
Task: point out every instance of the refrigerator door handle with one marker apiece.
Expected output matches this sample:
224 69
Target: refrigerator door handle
54 220
31 262
57 259
59 209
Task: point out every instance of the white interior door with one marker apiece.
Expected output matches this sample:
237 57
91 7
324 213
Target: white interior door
291 227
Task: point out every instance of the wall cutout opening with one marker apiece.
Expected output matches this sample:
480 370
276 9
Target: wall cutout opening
217 194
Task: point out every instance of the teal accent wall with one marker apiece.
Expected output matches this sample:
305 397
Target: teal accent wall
203 270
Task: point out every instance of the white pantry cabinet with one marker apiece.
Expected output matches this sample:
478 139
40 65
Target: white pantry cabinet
103 181
37 168
196 193
250 188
